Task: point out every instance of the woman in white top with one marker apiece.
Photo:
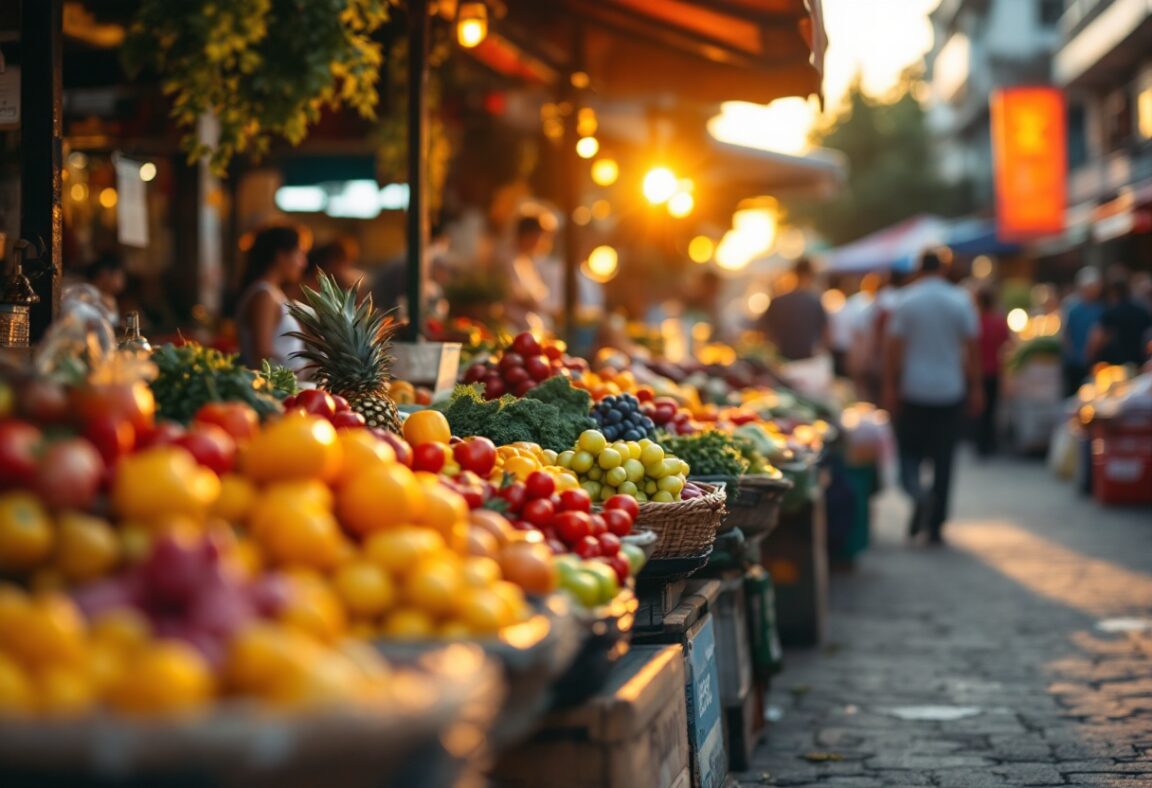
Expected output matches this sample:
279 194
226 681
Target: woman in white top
275 261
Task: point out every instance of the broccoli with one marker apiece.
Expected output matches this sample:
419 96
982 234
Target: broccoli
508 419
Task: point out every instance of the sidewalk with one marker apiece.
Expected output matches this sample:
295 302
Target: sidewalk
1005 659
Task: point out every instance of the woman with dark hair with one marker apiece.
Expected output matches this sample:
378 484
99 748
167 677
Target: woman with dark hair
263 323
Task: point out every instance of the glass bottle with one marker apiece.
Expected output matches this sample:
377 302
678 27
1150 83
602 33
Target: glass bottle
133 339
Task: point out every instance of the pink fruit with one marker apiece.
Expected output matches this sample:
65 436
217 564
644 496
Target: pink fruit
69 474
95 599
270 594
174 571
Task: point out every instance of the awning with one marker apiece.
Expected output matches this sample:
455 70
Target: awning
718 50
898 247
762 171
977 236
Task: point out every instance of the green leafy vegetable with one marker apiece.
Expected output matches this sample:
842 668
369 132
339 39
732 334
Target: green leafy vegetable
554 425
192 375
711 453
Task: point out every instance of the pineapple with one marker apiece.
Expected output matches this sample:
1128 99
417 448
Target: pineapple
347 347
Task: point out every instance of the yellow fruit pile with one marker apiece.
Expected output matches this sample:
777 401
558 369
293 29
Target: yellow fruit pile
522 458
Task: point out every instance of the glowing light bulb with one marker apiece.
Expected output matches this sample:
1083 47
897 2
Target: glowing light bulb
587 147
605 172
659 185
700 249
471 23
147 171
602 263
681 204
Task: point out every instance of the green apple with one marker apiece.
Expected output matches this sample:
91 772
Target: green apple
634 555
606 577
584 586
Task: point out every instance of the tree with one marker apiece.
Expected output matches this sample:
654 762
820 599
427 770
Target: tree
891 169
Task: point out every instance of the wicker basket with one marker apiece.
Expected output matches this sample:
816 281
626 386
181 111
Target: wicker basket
684 528
753 501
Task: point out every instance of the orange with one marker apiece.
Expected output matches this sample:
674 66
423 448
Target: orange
409 625
135 542
398 550
432 586
454 630
124 629
521 467
304 537
315 609
104 664
484 611
15 607
427 426
264 655
237 496
362 449
16 692
298 446
25 531
480 572
513 596
364 588
86 547
52 632
446 511
65 691
162 481
482 543
282 501
379 498
165 677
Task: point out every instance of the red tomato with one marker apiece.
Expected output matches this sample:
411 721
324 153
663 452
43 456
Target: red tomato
69 474
538 367
576 500
526 345
44 401
514 494
514 376
572 526
398 444
473 496
509 361
162 433
523 387
554 352
235 418
540 484
340 404
624 503
597 526
494 387
558 547
428 457
588 547
131 402
317 402
539 512
112 437
475 373
347 419
619 565
609 544
19 443
211 446
477 455
617 521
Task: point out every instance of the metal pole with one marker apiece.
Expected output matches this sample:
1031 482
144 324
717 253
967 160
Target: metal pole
417 156
41 150
570 195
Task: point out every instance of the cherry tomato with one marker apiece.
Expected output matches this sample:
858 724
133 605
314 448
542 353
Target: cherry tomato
522 388
620 566
538 367
473 496
588 547
540 484
609 544
553 352
69 474
316 402
211 446
525 344
617 521
476 454
398 444
625 503
494 387
235 418
515 495
19 444
347 419
539 512
340 404
597 525
514 376
572 526
111 436
509 361
576 500
162 433
429 457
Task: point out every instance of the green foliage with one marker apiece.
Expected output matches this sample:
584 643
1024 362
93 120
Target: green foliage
192 375
280 381
263 68
710 453
892 172
554 425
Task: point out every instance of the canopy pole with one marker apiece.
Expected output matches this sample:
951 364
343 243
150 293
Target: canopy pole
41 152
417 150
570 189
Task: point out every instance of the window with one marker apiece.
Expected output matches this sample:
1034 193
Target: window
1050 11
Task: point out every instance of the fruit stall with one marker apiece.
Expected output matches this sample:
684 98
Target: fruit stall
209 571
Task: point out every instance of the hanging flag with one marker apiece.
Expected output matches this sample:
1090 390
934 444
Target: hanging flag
1029 148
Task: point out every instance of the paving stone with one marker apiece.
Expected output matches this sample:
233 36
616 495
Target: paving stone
1029 773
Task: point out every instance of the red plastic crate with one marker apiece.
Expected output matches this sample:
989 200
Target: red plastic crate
1122 462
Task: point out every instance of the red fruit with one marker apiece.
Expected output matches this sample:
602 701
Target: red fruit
572 526
221 605
538 367
576 500
398 444
515 494
19 443
211 446
132 402
475 373
162 433
347 419
494 387
428 457
539 512
289 402
618 522
235 418
588 547
522 388
609 544
340 404
509 361
270 594
596 526
540 484
473 496
515 376
476 454
526 345
644 394
173 572
625 503
44 402
558 547
69 474
316 402
112 437
620 566
554 353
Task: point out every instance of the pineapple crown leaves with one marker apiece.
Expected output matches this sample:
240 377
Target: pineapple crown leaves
346 344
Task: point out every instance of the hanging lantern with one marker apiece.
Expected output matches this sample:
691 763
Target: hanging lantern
471 23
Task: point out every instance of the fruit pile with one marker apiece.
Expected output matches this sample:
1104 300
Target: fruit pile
668 415
523 364
638 469
619 417
320 403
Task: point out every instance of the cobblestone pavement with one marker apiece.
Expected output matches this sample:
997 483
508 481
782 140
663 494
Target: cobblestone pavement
1023 628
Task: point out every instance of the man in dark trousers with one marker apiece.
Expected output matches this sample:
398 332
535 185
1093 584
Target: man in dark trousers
932 368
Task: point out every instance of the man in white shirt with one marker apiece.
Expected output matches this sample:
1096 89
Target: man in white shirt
932 367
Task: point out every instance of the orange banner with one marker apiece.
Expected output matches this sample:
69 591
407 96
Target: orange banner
1029 149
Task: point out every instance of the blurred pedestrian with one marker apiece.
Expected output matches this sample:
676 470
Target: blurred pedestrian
994 335
870 333
795 321
107 275
932 365
275 261
1121 335
843 323
338 259
1082 312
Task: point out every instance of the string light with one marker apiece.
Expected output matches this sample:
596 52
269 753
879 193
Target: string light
471 23
659 185
587 147
605 172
